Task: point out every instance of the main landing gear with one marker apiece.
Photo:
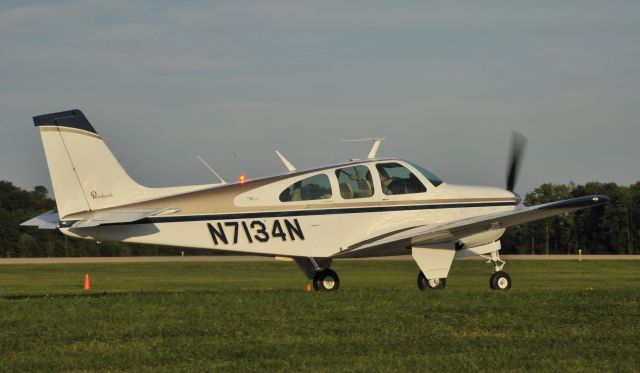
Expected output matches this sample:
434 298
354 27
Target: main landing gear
499 280
433 284
326 280
317 270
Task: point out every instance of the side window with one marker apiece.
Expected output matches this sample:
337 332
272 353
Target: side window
314 187
397 179
355 182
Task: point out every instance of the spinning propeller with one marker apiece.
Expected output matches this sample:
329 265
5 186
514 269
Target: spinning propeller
518 144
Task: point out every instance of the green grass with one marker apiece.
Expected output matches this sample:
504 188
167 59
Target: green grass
559 316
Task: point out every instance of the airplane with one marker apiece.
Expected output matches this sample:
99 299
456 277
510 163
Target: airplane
361 208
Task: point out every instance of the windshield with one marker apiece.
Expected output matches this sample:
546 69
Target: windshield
431 177
397 179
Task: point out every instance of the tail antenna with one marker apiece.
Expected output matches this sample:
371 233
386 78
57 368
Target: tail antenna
290 167
374 147
211 169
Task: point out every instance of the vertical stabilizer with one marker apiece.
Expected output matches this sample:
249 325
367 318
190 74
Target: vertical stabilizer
84 173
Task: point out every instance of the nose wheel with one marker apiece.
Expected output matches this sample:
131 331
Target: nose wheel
326 280
425 284
500 281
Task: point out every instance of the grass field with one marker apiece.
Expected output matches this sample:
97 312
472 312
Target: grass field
559 316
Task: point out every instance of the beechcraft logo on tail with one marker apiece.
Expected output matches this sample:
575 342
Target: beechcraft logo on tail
95 195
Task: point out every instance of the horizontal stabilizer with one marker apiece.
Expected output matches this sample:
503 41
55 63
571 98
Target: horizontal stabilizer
48 220
120 216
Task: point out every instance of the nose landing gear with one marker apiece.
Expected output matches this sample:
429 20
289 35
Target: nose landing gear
499 280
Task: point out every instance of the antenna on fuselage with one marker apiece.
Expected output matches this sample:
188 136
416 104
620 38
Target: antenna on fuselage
286 162
374 147
211 169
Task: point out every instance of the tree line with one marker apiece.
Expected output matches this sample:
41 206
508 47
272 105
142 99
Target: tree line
613 228
18 205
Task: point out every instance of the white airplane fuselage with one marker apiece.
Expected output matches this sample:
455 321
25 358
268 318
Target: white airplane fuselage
248 217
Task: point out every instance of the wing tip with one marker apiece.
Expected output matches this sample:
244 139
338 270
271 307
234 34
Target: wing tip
578 202
599 199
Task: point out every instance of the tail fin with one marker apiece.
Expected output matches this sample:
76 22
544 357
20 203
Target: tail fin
84 173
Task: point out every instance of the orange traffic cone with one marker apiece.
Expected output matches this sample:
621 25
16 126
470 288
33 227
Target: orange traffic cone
87 283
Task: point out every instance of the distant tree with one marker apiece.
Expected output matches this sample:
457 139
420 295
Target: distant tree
552 234
633 218
18 205
607 229
598 228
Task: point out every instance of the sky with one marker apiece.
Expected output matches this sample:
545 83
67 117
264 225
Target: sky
445 82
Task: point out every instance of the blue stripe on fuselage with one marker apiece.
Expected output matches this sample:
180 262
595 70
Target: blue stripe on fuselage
329 211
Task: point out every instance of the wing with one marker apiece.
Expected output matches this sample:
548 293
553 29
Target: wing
455 230
50 220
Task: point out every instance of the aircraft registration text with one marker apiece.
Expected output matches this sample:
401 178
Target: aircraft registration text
255 231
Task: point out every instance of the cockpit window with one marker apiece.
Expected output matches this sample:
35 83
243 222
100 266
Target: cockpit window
314 187
431 177
397 179
355 182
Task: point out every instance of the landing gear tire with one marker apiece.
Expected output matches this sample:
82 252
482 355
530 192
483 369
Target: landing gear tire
433 284
500 281
326 280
